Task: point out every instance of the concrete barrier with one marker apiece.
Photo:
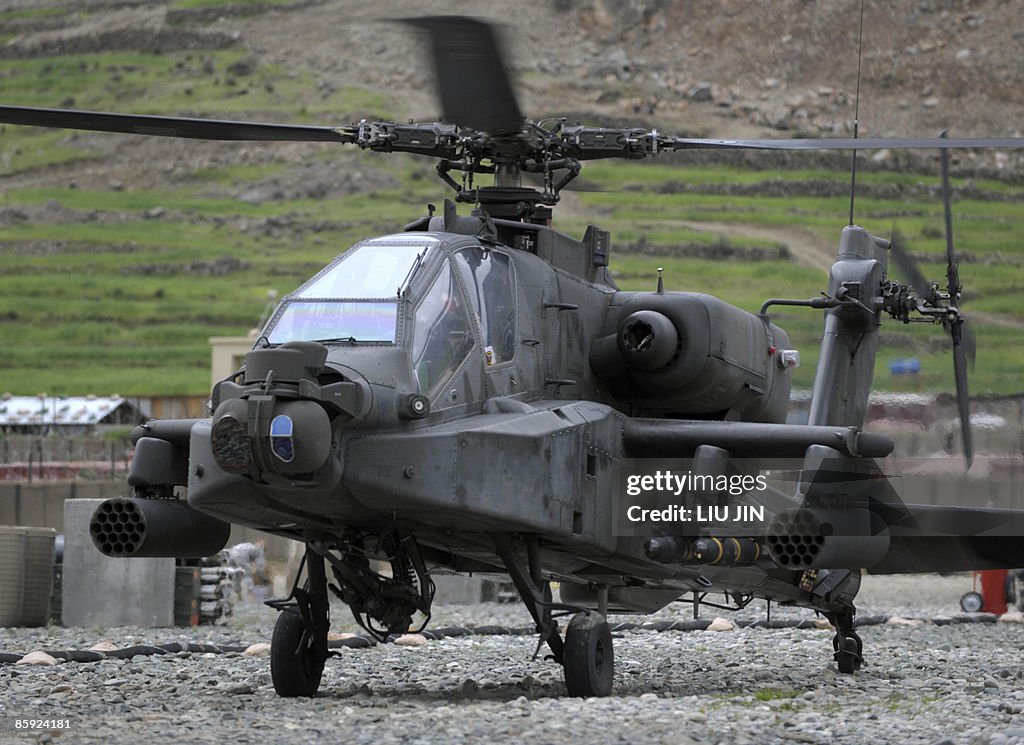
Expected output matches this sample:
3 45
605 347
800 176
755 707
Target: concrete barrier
102 591
457 589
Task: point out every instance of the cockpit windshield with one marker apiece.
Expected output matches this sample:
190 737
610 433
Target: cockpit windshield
353 300
335 321
375 269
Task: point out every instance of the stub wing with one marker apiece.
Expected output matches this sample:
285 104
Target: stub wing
936 538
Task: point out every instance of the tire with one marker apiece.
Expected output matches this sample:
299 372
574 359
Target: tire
588 657
295 672
971 602
849 658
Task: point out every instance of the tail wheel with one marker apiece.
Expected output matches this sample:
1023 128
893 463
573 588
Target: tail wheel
588 656
850 657
295 665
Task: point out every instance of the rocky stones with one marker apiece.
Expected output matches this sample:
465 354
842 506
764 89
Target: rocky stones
899 621
411 640
115 29
721 624
752 685
700 93
38 658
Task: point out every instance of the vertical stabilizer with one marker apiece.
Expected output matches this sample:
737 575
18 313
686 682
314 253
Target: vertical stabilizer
847 360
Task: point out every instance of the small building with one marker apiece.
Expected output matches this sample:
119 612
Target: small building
66 415
227 355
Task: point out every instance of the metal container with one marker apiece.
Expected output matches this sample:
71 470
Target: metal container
187 587
26 575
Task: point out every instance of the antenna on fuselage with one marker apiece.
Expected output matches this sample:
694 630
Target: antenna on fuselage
856 113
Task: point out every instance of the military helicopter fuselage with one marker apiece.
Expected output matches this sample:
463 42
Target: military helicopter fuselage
466 377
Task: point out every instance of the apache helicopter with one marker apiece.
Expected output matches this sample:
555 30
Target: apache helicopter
474 394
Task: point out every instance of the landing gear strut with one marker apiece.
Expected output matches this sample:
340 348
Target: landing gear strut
298 648
847 646
384 606
586 654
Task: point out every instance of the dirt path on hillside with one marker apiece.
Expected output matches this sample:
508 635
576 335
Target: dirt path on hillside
808 249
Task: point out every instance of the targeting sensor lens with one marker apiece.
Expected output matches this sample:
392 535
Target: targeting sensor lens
281 443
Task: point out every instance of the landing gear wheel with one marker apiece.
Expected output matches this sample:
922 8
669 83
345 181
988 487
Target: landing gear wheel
295 664
587 656
850 656
847 646
971 602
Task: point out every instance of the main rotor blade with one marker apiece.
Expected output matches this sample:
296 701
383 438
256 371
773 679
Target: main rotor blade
836 143
472 79
171 126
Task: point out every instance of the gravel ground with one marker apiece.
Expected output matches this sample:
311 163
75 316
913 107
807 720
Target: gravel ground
926 683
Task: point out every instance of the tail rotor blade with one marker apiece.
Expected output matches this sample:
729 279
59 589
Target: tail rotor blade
962 397
952 275
964 345
970 343
898 250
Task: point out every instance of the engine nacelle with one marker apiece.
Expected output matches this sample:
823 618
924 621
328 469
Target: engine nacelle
682 353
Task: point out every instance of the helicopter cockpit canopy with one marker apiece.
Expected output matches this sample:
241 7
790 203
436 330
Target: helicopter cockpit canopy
445 318
443 335
441 297
355 298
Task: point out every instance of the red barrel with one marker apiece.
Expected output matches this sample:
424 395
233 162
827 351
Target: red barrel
993 590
